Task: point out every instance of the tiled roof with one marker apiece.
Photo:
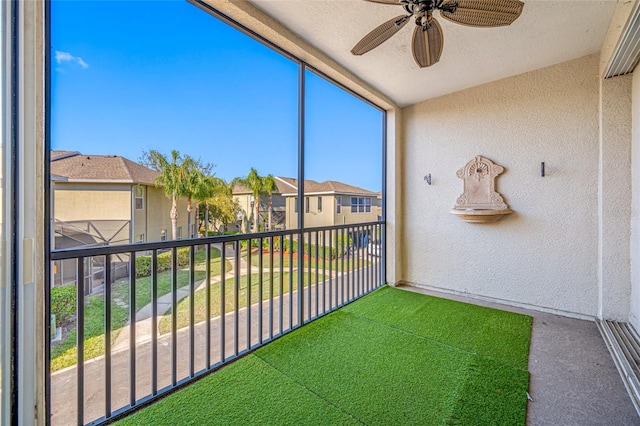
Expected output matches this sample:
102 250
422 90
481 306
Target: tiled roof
104 168
289 186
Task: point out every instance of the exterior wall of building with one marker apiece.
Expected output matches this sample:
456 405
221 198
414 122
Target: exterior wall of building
316 217
543 255
101 202
291 213
155 217
82 201
348 217
329 215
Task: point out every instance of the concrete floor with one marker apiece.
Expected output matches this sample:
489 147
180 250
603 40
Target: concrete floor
573 378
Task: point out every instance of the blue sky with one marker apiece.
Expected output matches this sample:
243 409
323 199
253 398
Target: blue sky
138 75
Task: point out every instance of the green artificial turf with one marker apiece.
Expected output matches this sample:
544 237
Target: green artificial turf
497 334
247 392
385 359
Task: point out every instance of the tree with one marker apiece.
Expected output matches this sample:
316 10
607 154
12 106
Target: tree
207 188
223 210
254 183
195 181
174 178
269 187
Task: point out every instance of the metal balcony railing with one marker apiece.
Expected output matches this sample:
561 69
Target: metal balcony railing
188 307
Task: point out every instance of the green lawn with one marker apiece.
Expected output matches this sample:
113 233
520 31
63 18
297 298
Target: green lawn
200 297
377 361
143 284
64 354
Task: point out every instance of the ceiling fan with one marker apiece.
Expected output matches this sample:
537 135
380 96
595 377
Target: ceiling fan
427 38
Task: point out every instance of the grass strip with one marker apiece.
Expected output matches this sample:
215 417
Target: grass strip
64 354
502 335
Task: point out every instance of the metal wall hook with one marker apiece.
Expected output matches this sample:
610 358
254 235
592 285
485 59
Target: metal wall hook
428 178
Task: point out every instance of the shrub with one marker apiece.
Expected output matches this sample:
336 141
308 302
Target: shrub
183 256
143 266
143 263
63 302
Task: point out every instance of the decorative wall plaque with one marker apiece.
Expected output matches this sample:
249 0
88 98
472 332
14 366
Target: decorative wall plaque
479 201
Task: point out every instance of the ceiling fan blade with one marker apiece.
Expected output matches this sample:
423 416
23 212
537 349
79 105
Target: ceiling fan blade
380 34
385 1
482 13
427 44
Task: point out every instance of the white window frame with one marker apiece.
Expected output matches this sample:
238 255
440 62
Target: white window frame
139 197
319 204
361 205
339 204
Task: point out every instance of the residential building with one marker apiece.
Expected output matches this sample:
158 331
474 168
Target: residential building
100 200
331 203
325 204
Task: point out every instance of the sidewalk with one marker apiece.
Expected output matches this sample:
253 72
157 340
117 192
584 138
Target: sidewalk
144 316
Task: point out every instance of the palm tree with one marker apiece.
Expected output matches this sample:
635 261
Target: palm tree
255 183
174 172
195 179
269 187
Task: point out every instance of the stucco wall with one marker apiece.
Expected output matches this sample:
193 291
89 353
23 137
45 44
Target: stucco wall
92 201
634 316
328 216
546 253
158 208
615 198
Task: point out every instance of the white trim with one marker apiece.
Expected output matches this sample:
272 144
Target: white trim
30 208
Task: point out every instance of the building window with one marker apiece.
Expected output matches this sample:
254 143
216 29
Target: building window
141 238
139 195
319 204
295 204
306 204
360 205
338 205
179 233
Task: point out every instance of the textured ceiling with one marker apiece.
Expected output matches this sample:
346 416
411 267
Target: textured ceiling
547 33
